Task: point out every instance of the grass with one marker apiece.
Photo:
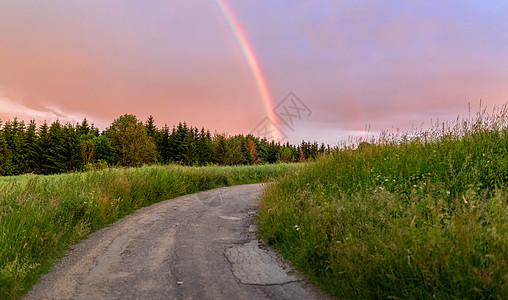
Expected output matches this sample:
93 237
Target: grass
40 216
406 216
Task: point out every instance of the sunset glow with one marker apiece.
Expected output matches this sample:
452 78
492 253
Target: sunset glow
226 64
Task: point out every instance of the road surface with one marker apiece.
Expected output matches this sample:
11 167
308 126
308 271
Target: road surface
199 246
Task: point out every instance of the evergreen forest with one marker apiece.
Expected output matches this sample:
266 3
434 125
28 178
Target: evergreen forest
58 148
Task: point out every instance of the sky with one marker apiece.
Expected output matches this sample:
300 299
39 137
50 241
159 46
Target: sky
294 70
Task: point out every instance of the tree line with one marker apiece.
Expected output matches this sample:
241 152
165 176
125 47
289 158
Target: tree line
58 148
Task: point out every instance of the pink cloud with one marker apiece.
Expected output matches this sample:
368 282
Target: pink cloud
353 62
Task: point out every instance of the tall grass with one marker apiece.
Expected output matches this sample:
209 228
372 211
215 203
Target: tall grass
40 216
421 215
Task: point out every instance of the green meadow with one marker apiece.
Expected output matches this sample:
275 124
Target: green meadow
40 216
404 216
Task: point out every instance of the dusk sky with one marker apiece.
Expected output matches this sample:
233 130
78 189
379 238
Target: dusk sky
225 65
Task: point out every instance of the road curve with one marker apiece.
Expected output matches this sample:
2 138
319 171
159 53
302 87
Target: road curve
199 246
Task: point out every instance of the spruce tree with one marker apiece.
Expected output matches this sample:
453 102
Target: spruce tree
31 149
179 143
164 144
83 129
272 152
14 132
191 155
43 149
94 131
72 149
262 148
306 150
103 149
222 150
205 148
151 130
54 157
5 155
160 137
236 151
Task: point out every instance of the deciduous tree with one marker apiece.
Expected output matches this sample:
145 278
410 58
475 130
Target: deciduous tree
131 142
251 146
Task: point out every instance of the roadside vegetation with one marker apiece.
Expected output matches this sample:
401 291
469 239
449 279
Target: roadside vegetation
40 216
421 215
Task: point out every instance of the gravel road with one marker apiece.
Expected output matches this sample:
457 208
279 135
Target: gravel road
199 246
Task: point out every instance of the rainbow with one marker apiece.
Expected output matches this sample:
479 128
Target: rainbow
252 62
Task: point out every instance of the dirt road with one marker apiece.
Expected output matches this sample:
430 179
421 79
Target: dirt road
199 246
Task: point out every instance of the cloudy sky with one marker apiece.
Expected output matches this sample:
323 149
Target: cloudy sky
378 64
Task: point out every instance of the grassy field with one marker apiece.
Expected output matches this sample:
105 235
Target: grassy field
40 216
422 215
